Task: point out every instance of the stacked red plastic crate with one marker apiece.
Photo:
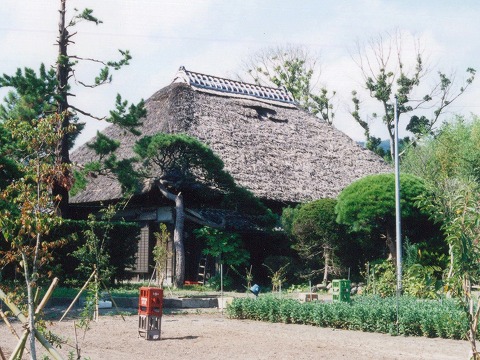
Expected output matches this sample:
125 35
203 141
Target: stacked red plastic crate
150 301
150 304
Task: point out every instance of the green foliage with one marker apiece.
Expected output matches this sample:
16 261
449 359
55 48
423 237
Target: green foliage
288 215
382 279
316 235
422 275
120 244
422 281
79 184
450 168
185 164
26 209
294 69
316 222
128 117
430 318
278 276
370 202
453 152
93 253
368 205
9 169
34 95
214 282
161 253
228 247
85 15
103 145
457 208
182 160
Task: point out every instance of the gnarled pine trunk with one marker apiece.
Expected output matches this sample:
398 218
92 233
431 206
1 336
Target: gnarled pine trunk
177 233
326 256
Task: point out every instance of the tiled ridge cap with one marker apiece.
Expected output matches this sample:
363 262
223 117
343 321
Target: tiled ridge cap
215 83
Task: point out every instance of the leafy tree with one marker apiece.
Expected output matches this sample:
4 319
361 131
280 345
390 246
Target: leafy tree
453 152
295 69
161 253
180 165
317 235
449 164
33 96
27 211
455 205
368 204
9 169
387 76
225 246
41 156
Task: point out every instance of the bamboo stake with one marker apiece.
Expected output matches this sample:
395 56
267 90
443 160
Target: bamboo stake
77 349
15 310
20 316
9 325
37 295
2 355
96 293
48 346
113 301
47 295
21 345
78 295
18 351
12 330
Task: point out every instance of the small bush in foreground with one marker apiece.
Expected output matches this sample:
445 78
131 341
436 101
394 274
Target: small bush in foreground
430 318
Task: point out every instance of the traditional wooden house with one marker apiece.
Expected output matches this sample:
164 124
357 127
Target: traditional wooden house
271 146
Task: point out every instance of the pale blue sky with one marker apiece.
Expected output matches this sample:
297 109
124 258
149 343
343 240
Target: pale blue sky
213 36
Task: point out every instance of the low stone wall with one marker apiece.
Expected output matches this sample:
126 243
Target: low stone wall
132 302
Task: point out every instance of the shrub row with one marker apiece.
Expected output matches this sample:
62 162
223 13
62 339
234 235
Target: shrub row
431 318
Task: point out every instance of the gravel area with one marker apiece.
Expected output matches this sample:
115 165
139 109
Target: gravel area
207 334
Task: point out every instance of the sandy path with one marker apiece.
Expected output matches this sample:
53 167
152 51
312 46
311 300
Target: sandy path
213 336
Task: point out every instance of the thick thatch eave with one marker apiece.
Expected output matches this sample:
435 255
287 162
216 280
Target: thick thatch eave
278 151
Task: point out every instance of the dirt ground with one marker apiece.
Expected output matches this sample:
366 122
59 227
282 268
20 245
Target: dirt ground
211 335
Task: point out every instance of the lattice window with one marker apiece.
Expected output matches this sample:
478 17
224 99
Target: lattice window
141 263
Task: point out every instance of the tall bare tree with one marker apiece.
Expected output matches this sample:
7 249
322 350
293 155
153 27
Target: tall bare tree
392 66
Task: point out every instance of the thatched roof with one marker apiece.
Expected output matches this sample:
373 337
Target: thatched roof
268 144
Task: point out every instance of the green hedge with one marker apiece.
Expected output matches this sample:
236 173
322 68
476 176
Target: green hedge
430 318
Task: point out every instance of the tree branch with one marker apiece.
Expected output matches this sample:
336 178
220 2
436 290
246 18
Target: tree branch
86 113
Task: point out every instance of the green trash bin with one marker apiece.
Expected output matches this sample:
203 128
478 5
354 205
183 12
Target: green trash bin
341 290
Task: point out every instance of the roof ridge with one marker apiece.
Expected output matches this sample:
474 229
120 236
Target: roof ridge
215 83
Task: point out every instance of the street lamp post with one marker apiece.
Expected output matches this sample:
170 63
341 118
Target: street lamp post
397 204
